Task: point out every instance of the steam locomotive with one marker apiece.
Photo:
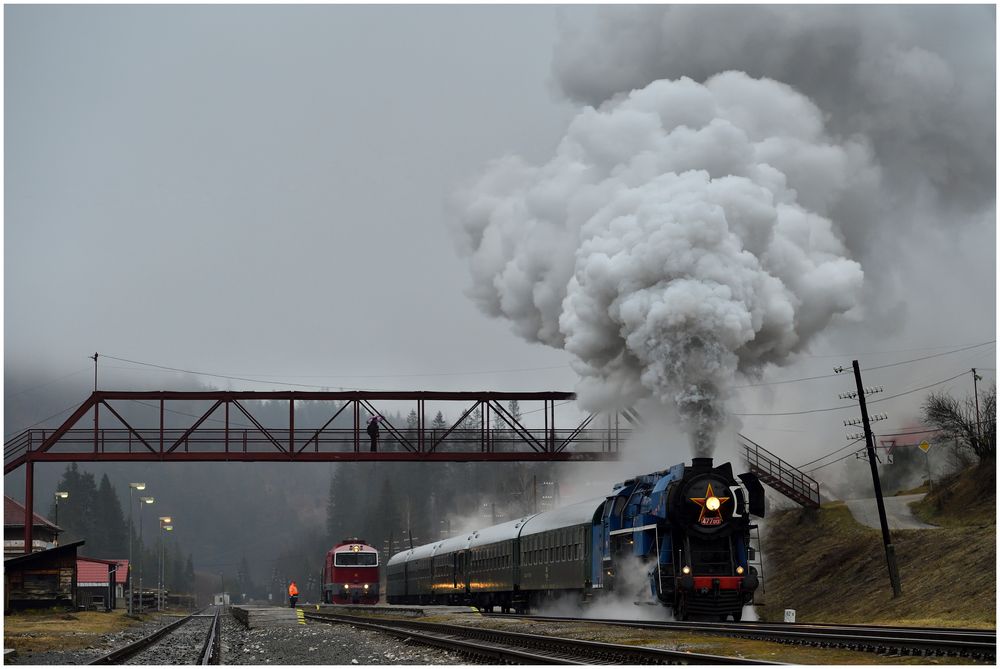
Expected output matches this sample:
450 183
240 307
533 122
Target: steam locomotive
687 528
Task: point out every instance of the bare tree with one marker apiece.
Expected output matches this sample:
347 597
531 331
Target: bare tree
959 420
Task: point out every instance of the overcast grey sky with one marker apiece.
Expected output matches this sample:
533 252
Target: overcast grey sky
261 189
264 191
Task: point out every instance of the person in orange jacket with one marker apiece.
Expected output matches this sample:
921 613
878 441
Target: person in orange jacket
293 594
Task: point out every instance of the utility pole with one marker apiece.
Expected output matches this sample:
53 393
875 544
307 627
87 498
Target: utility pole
890 551
975 392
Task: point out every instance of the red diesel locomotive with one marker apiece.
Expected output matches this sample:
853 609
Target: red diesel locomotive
351 573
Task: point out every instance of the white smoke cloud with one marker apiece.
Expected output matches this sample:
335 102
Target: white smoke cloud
918 82
681 235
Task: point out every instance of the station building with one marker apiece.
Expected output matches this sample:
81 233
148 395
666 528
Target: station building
44 533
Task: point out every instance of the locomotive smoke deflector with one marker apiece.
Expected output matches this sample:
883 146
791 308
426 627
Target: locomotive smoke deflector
756 492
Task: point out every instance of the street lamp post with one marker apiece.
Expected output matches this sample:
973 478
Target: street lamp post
164 526
131 566
60 494
142 500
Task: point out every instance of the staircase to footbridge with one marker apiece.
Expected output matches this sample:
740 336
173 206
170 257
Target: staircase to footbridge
778 474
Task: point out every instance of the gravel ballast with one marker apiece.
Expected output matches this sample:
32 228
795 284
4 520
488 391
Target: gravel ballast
323 643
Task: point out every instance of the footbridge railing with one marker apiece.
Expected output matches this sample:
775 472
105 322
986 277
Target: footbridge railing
780 475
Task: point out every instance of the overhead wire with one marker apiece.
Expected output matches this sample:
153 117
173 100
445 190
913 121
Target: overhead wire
496 371
346 376
58 413
833 462
867 369
47 383
824 457
851 406
898 350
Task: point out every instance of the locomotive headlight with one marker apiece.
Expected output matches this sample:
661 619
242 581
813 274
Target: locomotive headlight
739 569
346 587
366 585
712 503
686 569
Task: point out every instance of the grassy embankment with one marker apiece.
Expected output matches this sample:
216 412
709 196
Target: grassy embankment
43 630
832 569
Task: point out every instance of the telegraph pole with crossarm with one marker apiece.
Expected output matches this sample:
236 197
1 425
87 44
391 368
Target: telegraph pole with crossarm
890 551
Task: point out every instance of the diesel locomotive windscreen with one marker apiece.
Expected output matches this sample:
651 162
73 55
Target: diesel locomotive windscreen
355 560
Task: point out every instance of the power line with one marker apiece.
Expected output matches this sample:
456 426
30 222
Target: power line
224 376
867 369
901 434
824 457
47 383
928 357
851 406
345 376
898 350
878 436
833 462
58 413
917 390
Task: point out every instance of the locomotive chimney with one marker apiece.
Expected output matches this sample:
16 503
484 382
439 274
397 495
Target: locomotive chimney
701 463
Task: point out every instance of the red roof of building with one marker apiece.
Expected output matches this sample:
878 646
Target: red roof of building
13 515
89 570
121 576
94 570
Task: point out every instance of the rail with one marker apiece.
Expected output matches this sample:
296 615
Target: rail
522 648
920 641
211 652
118 656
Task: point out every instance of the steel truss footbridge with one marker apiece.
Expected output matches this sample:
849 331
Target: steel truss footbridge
228 426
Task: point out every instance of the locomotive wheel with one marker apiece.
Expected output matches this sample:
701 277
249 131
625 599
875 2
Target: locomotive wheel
738 616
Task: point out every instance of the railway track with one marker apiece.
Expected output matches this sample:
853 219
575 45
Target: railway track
929 641
176 643
519 648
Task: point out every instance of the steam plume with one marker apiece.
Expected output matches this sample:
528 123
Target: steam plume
917 81
680 235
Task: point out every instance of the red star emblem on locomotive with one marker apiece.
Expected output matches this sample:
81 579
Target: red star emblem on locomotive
711 504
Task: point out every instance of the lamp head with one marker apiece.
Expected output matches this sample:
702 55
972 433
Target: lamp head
147 500
62 494
137 486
